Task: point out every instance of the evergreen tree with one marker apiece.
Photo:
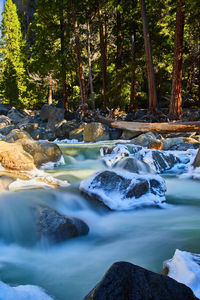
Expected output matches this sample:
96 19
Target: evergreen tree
13 74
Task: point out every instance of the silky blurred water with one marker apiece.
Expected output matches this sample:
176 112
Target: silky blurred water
68 271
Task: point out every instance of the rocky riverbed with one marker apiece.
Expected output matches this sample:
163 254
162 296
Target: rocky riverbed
71 206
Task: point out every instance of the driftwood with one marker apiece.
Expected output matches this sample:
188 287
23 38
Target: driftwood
153 127
157 127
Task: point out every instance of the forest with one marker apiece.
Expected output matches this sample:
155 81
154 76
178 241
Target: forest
105 54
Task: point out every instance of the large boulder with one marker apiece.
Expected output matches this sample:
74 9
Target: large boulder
196 162
95 131
124 191
13 157
42 152
126 281
58 228
53 115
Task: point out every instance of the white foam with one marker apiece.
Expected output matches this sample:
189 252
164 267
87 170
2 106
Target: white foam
46 182
185 268
119 152
51 165
22 292
66 141
116 199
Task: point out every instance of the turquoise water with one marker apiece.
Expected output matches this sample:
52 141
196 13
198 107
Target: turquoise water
68 271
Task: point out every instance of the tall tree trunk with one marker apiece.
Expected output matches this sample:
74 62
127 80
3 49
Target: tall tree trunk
78 55
199 68
90 65
119 54
175 112
133 94
63 58
50 89
103 58
153 104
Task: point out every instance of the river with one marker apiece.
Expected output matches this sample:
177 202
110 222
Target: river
68 271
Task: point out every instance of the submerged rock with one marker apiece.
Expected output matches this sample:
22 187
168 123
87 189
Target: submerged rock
124 191
125 281
185 268
58 228
164 161
22 292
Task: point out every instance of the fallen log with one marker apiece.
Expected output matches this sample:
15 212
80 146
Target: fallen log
157 127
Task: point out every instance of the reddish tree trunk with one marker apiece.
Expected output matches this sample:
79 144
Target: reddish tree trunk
103 58
133 95
63 58
149 61
119 54
175 112
78 55
90 65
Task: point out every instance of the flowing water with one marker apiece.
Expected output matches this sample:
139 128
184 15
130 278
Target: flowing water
68 271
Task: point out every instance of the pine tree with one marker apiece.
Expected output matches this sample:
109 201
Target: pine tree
13 74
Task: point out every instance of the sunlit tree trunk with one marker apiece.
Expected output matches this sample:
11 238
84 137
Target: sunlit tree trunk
63 58
149 61
175 112
50 89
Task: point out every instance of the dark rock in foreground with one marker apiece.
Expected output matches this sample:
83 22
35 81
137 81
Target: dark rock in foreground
125 281
58 228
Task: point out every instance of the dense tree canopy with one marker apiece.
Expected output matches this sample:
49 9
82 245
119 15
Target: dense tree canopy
93 51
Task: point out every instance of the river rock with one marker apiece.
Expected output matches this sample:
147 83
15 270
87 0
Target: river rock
149 140
42 152
4 121
16 116
126 281
94 132
172 143
133 165
6 130
16 134
111 156
58 228
196 162
124 191
128 135
77 133
164 161
13 157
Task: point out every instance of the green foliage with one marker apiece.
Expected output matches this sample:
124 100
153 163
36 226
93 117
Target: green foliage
49 57
13 73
